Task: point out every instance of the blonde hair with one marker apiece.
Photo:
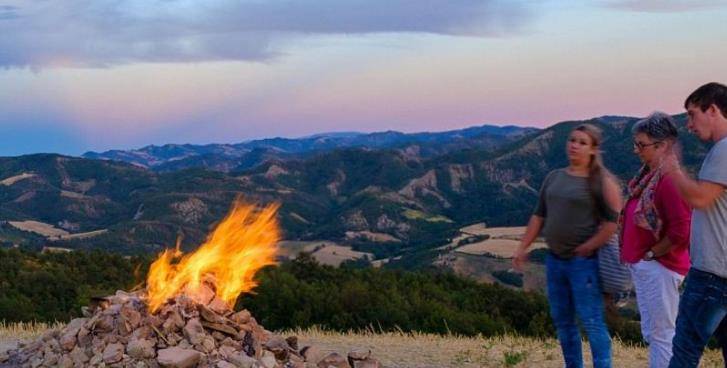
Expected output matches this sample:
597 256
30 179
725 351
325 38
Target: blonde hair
597 171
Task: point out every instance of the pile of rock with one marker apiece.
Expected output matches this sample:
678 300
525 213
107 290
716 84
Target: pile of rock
119 331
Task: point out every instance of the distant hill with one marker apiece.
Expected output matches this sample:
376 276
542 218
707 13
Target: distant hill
384 201
230 157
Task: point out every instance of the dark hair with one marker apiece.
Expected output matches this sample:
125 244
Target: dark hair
597 172
707 95
658 126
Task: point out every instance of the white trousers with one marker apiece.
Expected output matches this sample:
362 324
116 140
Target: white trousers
657 295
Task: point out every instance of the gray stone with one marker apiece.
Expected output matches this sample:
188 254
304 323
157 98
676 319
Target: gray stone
194 332
333 360
130 318
65 362
295 358
173 323
68 335
50 359
312 354
84 337
96 360
226 351
178 358
143 332
225 364
36 362
78 356
219 336
359 354
174 338
241 360
152 320
209 343
367 363
242 317
184 344
278 346
104 324
113 353
292 342
140 349
268 360
209 315
292 364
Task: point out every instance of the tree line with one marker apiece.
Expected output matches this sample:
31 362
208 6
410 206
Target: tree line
301 293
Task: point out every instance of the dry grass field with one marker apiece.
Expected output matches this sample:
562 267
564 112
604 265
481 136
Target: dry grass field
14 179
480 269
291 248
497 247
479 259
89 234
416 350
41 228
334 255
502 241
325 252
51 232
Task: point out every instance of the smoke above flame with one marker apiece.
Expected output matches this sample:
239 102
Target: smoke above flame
243 243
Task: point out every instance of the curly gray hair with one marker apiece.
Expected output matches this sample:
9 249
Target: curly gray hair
658 126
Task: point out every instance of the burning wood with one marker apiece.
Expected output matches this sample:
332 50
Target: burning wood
184 318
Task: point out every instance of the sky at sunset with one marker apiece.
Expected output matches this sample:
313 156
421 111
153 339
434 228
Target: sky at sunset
80 75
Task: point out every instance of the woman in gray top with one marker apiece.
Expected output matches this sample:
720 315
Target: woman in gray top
577 211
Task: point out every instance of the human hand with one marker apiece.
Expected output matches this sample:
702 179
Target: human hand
672 159
583 251
519 259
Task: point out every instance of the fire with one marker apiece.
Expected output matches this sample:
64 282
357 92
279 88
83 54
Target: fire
244 242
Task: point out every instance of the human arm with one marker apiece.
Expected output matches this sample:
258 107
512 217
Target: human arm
660 248
675 215
612 197
698 193
712 181
535 224
531 232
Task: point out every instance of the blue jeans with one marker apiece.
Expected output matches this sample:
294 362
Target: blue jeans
573 290
702 311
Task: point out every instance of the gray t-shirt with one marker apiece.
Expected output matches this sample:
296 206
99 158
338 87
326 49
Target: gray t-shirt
570 212
709 225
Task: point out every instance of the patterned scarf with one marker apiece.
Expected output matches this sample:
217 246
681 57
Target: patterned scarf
643 186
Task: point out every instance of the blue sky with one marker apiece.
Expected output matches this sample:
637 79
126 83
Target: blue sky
97 75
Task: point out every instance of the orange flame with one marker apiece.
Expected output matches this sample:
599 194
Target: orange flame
244 242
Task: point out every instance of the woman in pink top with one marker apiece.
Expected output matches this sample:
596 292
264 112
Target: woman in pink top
655 236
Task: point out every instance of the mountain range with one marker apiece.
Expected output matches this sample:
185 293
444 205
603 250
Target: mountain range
385 193
235 157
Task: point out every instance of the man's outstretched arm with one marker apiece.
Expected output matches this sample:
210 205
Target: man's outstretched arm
698 193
